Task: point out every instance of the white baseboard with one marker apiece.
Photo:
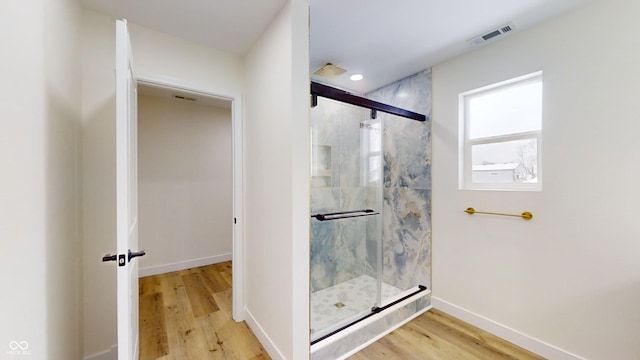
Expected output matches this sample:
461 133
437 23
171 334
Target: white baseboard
262 336
525 341
182 265
111 354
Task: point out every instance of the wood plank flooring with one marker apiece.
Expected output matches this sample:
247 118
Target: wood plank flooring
187 315
435 335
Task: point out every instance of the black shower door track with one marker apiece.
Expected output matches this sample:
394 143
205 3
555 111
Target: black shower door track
374 311
329 92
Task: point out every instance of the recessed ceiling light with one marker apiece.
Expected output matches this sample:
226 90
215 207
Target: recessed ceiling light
356 77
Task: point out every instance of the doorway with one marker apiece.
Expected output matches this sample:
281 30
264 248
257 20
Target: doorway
184 180
190 175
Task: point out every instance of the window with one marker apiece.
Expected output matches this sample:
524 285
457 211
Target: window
371 151
501 139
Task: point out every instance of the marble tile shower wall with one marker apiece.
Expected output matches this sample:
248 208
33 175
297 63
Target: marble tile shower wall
406 229
338 251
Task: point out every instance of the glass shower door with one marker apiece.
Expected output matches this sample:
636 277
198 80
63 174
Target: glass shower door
346 227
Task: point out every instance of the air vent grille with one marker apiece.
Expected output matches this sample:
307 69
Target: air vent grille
506 28
330 71
182 97
481 39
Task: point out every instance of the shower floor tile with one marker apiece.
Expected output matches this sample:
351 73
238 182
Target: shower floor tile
337 305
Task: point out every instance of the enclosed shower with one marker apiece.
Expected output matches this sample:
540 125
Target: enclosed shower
370 229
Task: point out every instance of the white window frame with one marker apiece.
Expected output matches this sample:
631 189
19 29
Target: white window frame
466 144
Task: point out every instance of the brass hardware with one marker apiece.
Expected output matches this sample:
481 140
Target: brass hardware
525 215
339 305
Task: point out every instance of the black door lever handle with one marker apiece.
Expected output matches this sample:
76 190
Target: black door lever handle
136 254
109 258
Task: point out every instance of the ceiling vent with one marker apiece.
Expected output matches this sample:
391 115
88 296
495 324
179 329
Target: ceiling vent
491 35
330 71
181 97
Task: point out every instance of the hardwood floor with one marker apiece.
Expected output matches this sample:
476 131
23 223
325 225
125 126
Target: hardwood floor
435 335
187 315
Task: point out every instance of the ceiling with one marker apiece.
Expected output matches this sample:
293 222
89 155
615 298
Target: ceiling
227 25
382 40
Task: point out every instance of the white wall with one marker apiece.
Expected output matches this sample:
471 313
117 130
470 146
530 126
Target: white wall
155 54
571 276
277 185
172 58
185 183
98 182
39 115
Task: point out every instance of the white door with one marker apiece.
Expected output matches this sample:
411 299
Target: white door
126 196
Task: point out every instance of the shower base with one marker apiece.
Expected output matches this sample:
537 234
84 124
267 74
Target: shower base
340 304
341 345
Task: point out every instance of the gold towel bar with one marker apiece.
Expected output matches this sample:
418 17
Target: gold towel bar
525 215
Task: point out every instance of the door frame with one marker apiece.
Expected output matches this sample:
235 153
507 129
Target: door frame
160 81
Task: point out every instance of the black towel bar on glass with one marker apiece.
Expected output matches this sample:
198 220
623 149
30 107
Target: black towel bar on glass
344 214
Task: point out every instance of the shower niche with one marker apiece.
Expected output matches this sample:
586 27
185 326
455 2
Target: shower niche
321 166
359 257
